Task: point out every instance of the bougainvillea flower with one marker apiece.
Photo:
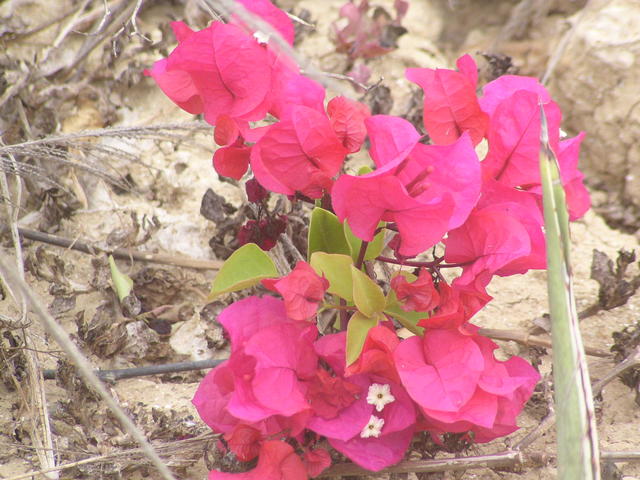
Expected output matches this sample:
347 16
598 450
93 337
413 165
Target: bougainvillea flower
417 296
347 119
503 235
316 461
292 89
218 70
458 303
299 153
303 290
450 103
328 395
377 354
244 442
425 194
266 10
267 349
459 384
264 233
369 34
394 423
232 160
277 461
494 92
514 139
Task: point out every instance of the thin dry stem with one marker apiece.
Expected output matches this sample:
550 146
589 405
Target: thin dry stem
167 450
119 253
525 339
504 459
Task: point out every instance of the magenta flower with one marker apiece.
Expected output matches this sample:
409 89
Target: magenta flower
426 190
513 104
502 236
370 436
450 103
299 153
215 71
277 461
303 291
267 349
420 295
459 385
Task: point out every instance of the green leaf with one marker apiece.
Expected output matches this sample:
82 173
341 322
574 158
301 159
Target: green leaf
336 269
578 455
357 330
121 283
326 234
367 295
374 248
243 269
408 320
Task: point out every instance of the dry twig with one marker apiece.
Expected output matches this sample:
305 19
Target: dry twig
119 253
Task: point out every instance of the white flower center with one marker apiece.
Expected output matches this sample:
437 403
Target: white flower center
373 428
379 395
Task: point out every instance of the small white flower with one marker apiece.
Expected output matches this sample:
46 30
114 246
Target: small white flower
373 428
261 37
379 395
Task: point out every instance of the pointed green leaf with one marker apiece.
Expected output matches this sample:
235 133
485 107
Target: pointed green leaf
374 248
336 269
578 455
408 320
367 295
357 330
243 269
326 234
122 283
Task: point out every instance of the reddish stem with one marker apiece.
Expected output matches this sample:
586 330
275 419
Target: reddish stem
434 264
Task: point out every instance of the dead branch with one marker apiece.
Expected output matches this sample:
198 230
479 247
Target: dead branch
525 339
119 253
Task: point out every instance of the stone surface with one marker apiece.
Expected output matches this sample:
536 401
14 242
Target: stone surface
597 77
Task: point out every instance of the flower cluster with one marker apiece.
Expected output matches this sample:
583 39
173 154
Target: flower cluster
288 392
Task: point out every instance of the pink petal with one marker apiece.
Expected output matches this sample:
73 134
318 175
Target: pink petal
392 138
178 86
278 19
450 104
506 85
443 373
347 119
375 453
514 139
232 161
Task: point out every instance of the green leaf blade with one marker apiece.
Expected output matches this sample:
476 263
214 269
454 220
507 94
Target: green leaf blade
578 455
357 331
336 268
326 234
122 283
367 295
243 269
